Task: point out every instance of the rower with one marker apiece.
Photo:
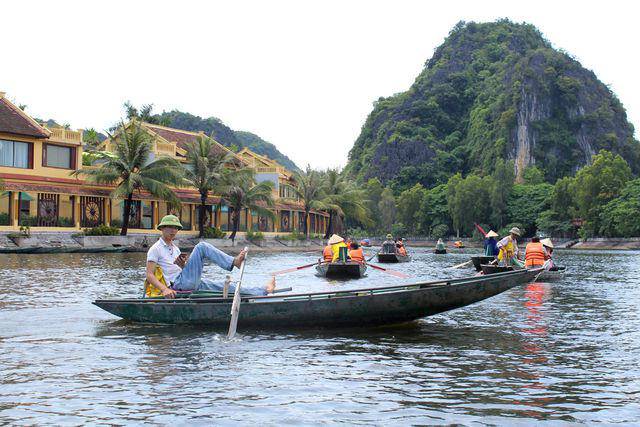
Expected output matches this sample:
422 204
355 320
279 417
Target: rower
356 253
490 244
440 245
535 254
389 245
184 273
548 246
508 247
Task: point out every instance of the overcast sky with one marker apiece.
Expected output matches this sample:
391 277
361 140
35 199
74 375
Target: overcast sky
300 74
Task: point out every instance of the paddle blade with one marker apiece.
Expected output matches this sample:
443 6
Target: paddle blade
391 272
291 270
235 307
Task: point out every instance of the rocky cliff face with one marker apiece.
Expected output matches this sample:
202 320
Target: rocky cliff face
494 90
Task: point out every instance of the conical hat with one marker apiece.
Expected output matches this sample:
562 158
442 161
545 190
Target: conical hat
335 239
547 242
492 233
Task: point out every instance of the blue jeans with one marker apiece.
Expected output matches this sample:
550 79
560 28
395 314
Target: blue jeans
190 278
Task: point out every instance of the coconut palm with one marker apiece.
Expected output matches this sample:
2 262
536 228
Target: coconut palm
308 187
207 171
130 170
343 199
246 194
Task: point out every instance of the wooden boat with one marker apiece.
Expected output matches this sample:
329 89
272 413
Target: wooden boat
440 251
349 269
354 308
493 269
555 274
389 258
481 259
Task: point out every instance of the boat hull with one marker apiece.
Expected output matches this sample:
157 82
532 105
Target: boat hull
354 308
494 269
345 270
393 258
440 251
481 259
549 275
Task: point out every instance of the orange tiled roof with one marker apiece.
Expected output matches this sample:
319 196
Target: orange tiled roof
15 121
182 138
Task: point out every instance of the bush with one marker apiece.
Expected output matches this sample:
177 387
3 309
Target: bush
439 231
65 222
213 233
116 223
102 230
254 236
29 221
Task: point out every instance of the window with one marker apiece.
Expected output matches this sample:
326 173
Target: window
57 156
15 154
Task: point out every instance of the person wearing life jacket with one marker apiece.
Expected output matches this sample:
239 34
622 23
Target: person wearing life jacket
327 254
508 247
356 253
400 249
490 244
548 246
535 254
336 242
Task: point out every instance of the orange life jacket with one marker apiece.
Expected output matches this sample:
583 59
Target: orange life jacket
402 251
356 255
534 255
327 253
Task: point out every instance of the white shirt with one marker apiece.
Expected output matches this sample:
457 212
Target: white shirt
165 255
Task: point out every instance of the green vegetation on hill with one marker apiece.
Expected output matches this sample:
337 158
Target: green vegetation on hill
492 91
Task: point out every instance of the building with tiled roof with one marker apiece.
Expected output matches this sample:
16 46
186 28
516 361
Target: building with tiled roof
36 164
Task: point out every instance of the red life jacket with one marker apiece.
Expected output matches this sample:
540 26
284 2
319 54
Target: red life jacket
534 255
327 253
356 255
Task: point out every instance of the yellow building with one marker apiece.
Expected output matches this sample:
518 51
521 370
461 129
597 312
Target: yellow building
36 165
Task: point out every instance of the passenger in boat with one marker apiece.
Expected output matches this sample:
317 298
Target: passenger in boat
348 242
400 249
548 246
327 254
389 245
508 247
336 242
535 254
356 253
490 244
184 272
440 245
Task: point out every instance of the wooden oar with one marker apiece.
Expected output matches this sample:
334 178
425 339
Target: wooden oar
235 307
390 271
460 265
372 256
290 270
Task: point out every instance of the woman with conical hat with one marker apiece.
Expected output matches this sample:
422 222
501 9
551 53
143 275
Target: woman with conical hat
508 247
490 244
336 242
548 246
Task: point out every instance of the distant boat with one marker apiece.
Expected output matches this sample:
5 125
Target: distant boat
349 269
391 258
355 307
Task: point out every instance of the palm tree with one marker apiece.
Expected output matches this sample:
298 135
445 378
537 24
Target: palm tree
308 187
129 169
343 199
207 172
246 194
91 139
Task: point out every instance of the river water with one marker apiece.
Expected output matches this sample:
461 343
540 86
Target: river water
560 352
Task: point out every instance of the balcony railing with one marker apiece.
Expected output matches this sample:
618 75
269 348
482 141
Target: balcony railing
66 135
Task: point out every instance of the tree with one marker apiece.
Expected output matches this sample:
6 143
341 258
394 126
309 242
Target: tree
91 139
409 203
468 201
308 187
373 191
145 114
246 194
556 220
434 212
129 169
526 203
503 177
533 175
342 199
619 217
597 184
387 207
205 172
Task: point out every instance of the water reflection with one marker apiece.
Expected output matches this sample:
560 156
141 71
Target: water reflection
562 351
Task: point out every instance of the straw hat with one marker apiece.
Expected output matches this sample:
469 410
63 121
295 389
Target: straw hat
335 239
515 230
389 236
170 221
547 242
492 233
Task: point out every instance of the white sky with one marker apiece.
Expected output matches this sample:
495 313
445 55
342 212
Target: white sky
302 75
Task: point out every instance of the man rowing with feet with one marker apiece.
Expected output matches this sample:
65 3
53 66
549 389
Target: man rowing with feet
183 272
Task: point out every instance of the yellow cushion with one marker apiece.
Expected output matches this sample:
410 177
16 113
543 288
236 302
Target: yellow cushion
150 290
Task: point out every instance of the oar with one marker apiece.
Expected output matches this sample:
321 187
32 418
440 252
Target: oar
372 256
461 265
390 271
290 270
235 307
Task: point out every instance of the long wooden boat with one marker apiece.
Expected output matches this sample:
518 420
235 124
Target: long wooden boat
553 274
351 308
350 269
481 259
391 258
440 251
493 269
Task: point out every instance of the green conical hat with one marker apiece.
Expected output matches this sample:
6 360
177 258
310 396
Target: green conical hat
170 221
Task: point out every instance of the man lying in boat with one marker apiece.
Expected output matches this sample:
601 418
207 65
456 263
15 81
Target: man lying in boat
181 272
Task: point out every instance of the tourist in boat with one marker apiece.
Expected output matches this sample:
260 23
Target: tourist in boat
508 248
400 249
548 246
356 253
348 242
440 246
490 244
182 272
336 242
389 245
327 253
535 255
